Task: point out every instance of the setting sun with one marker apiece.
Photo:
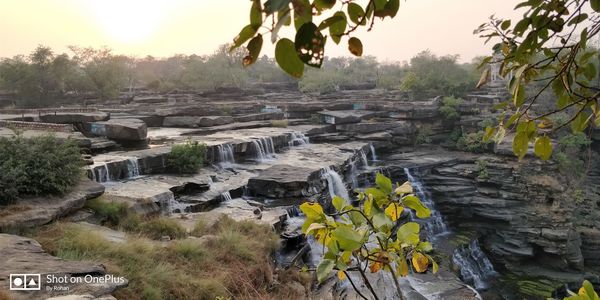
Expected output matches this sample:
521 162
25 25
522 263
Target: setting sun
129 21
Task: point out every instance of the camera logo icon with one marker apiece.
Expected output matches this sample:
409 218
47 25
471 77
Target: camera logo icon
25 282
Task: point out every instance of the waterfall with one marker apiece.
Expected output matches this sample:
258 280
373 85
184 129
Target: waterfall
475 267
92 175
435 225
373 154
363 157
264 148
334 183
353 174
226 196
103 174
226 156
298 139
133 168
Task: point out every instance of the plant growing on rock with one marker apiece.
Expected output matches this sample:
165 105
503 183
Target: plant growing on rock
472 142
186 158
371 235
449 108
37 166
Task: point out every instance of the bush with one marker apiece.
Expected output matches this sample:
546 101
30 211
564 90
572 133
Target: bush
37 166
449 108
280 123
110 212
569 155
186 158
472 142
424 135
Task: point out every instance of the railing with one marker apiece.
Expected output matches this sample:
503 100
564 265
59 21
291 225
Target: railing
46 111
37 126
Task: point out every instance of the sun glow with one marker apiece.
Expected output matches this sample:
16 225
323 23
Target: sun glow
129 21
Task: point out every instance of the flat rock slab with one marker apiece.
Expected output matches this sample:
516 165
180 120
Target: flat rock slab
206 121
23 255
120 129
283 181
73 118
29 213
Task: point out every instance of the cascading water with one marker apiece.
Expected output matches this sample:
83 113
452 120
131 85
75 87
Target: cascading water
353 174
334 183
475 267
103 174
435 225
373 154
298 139
226 196
363 157
133 168
264 148
226 156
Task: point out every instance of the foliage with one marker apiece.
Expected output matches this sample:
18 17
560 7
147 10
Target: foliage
449 108
372 234
280 123
192 268
37 166
586 292
111 212
472 142
482 170
186 158
550 46
569 155
308 44
424 135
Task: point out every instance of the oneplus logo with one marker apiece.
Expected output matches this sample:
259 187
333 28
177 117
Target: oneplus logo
25 282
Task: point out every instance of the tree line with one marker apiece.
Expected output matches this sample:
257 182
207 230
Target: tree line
46 78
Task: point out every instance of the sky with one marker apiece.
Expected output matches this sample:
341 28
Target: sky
162 28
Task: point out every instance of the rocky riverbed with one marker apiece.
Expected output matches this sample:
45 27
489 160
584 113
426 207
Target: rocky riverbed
501 228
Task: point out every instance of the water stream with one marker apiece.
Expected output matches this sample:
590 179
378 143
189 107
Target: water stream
335 184
434 225
226 156
264 148
475 267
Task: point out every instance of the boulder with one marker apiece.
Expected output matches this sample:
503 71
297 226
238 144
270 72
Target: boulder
23 255
120 129
191 121
33 212
284 181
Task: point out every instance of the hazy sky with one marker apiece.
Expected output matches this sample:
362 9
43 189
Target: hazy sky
165 27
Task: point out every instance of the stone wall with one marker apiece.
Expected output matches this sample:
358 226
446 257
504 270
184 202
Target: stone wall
37 126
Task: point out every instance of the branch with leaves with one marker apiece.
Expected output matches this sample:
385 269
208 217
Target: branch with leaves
308 44
548 46
370 235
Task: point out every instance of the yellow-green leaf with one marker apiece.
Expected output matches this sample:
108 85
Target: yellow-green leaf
348 239
324 269
314 226
384 183
402 269
420 262
394 211
312 210
520 144
543 147
415 204
338 202
405 188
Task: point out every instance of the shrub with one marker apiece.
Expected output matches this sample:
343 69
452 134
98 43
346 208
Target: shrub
449 108
424 135
186 158
280 123
472 142
482 170
37 166
110 212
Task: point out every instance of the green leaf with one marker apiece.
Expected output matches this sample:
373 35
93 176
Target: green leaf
521 144
255 14
389 9
302 13
245 34
595 5
356 13
408 233
313 227
381 221
310 45
414 203
337 29
355 46
330 21
324 4
356 218
424 247
543 147
580 122
505 24
312 210
384 183
254 47
324 269
347 238
272 6
377 193
338 203
519 96
287 59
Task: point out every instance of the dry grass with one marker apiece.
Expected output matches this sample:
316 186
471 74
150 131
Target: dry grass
230 259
